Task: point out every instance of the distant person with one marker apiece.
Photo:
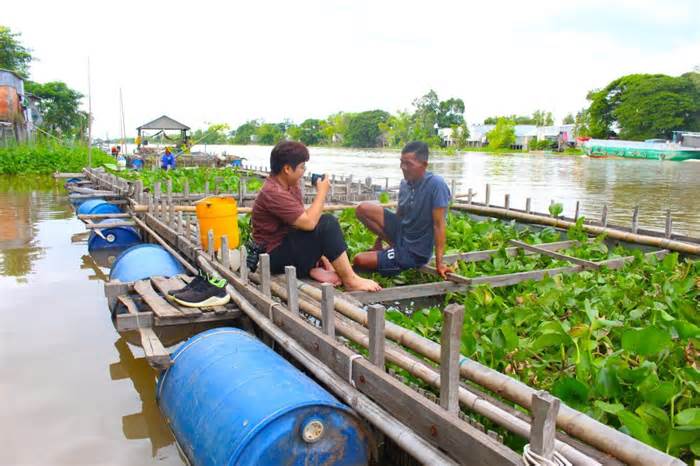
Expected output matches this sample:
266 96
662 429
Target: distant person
137 163
115 151
167 160
418 225
303 237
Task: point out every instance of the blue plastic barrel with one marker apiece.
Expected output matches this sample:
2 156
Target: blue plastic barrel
97 206
231 400
144 261
113 237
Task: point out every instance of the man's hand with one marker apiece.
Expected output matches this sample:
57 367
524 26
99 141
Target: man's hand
323 185
443 270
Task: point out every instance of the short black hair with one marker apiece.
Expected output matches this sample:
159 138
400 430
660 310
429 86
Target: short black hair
290 153
417 147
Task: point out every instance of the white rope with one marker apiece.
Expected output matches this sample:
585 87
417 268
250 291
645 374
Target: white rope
352 358
530 458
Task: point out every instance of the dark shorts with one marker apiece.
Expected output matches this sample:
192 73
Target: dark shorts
397 258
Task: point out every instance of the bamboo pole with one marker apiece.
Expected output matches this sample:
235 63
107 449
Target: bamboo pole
246 210
663 243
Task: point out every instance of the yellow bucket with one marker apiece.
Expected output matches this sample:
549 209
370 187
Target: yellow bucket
219 214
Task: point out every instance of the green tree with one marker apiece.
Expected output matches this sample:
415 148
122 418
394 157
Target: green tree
13 55
503 135
569 119
450 113
397 129
270 133
542 118
425 117
582 124
515 119
59 106
335 127
460 134
216 133
308 132
364 129
645 106
244 133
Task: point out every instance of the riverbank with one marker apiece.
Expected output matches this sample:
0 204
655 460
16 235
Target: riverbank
46 157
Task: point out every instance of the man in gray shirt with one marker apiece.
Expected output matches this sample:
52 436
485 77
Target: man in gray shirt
417 226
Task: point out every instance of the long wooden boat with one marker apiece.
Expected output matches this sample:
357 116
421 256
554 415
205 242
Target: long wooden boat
601 148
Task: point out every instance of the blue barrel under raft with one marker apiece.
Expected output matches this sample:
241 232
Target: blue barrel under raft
119 237
231 400
96 206
143 261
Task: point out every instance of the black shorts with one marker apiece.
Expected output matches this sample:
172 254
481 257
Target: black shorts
396 258
303 249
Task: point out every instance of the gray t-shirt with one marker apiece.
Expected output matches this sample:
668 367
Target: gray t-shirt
416 203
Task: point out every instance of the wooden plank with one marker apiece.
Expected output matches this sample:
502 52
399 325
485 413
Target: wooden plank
292 290
166 285
514 278
265 274
407 292
450 344
115 288
158 305
128 303
375 324
327 309
156 354
575 260
545 409
476 256
451 276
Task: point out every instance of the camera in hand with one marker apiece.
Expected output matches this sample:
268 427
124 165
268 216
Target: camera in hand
315 177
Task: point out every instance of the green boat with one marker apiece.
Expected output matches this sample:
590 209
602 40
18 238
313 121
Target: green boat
679 150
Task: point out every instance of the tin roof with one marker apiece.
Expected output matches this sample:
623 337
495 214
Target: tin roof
164 123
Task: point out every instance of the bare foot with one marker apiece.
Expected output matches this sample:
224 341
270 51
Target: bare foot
358 283
325 276
326 264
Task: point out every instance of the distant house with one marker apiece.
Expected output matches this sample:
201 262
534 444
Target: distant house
524 134
17 110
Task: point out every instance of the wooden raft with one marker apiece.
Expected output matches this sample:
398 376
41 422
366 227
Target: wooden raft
147 308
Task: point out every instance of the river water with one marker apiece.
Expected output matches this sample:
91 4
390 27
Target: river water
72 391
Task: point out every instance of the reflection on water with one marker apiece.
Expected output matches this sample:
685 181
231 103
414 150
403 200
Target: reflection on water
653 185
148 423
71 403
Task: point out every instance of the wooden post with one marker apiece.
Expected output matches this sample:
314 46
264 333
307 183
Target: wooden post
181 224
186 189
375 324
156 198
171 213
551 203
453 185
169 187
197 233
635 219
470 196
210 244
386 184
604 216
292 291
348 182
506 202
328 309
544 424
164 208
150 203
578 206
528 205
669 224
138 188
243 270
187 226
450 341
487 199
265 274
224 252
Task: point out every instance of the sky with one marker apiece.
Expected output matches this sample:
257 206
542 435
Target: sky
227 62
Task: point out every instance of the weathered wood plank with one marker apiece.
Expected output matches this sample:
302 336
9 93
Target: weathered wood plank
327 309
156 354
375 324
450 344
545 409
407 292
574 260
476 256
158 305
